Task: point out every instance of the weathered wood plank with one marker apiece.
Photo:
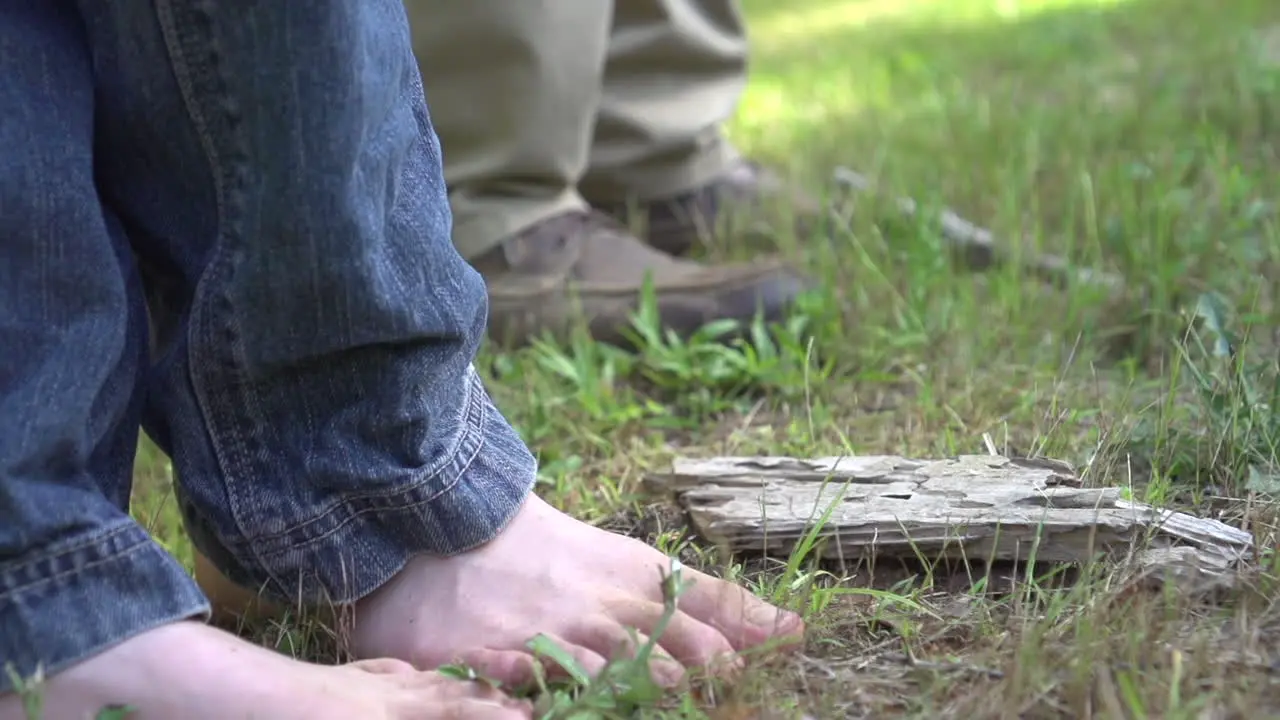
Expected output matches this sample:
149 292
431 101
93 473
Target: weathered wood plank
983 507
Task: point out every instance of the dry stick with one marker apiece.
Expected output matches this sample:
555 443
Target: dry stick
979 247
952 666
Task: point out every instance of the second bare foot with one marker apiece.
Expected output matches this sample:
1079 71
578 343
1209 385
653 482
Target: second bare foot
189 670
582 586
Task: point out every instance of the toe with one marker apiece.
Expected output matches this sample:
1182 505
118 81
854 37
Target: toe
516 668
689 641
745 620
608 637
447 688
589 662
512 668
482 710
384 666
663 668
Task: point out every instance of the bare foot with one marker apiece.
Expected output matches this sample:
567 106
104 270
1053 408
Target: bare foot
545 573
580 585
190 670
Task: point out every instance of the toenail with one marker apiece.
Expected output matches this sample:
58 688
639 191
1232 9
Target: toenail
766 616
727 665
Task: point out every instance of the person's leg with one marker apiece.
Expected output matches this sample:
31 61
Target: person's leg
332 442
92 611
659 157
674 74
514 89
73 335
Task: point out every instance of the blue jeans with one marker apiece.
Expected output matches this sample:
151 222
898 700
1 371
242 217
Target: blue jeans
225 222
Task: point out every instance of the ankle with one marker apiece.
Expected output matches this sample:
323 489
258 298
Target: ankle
231 604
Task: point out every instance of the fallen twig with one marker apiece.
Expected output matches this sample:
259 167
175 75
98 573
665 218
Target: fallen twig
978 247
947 666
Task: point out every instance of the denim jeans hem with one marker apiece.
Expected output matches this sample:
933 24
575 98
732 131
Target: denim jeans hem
358 543
77 599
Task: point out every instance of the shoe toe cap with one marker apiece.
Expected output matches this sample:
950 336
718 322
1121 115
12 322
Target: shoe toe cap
772 294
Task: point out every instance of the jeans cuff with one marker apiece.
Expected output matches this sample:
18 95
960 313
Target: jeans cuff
80 597
357 545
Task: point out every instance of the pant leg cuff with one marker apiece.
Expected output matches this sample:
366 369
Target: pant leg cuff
82 596
483 222
358 545
661 181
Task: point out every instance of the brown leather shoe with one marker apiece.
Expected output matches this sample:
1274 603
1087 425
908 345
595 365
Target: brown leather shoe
677 224
586 262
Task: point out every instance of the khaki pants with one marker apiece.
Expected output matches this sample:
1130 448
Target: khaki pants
545 105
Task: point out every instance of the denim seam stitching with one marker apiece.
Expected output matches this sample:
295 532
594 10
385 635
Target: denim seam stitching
352 514
227 172
472 436
141 544
79 544
97 648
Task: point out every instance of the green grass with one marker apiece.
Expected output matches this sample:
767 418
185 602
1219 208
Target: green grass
1139 137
